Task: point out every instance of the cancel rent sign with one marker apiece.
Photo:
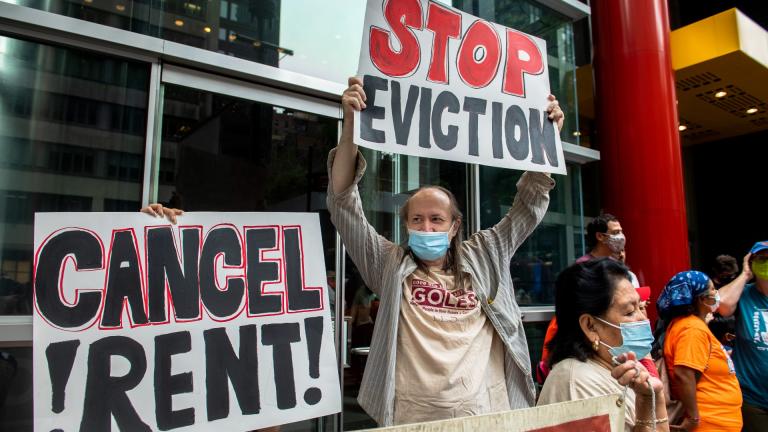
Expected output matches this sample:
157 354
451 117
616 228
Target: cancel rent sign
220 322
445 84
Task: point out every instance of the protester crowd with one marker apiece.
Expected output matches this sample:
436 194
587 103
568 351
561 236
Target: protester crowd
710 346
430 363
705 368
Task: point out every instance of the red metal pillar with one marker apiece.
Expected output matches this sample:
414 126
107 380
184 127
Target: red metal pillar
639 142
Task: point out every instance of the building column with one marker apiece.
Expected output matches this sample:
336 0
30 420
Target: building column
636 109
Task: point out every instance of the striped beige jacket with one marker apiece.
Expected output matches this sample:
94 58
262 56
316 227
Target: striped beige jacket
486 256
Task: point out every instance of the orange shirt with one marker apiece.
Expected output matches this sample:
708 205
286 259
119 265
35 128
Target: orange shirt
551 331
718 395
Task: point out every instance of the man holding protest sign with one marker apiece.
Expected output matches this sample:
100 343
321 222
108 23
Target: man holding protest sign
439 83
448 317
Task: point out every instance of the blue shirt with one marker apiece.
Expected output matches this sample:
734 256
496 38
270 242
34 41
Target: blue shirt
751 350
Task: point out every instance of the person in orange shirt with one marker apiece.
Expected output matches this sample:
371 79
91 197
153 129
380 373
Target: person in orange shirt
701 372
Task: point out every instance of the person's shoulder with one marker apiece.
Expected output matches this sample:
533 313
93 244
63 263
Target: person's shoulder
583 379
557 387
684 321
690 325
751 298
568 368
749 291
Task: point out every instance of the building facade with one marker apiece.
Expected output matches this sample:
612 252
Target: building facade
233 105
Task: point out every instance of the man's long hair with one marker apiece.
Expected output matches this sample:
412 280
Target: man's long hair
453 256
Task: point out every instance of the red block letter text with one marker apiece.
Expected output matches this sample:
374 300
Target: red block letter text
517 44
400 15
479 55
445 23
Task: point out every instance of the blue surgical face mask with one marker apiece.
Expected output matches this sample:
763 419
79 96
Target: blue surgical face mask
636 337
429 246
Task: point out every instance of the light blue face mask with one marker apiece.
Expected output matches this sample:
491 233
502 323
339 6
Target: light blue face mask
636 337
429 246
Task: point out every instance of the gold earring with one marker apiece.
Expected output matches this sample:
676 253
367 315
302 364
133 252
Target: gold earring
596 344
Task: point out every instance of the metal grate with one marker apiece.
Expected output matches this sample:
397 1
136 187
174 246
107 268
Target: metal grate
736 102
696 81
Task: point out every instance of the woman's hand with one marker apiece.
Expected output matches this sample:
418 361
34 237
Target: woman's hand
687 425
555 113
353 98
631 372
157 210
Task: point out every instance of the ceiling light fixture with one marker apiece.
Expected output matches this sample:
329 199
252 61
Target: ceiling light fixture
682 127
721 94
179 23
207 29
120 7
752 110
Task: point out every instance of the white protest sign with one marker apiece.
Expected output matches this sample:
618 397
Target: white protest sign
598 414
443 84
221 322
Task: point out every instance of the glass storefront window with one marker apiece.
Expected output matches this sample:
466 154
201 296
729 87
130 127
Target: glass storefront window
552 246
16 389
317 38
264 157
72 138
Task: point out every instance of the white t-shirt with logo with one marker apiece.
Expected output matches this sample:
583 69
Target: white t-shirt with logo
450 361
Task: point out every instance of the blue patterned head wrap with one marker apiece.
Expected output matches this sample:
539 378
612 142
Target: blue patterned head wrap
681 290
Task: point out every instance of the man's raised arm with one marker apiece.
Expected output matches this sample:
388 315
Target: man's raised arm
343 168
730 294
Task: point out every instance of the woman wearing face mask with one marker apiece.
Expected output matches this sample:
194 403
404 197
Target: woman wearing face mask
601 334
448 339
701 373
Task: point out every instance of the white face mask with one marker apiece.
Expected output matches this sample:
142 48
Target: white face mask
713 307
615 242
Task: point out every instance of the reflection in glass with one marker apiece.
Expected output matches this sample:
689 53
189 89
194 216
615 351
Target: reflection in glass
552 245
318 38
223 153
72 127
16 389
